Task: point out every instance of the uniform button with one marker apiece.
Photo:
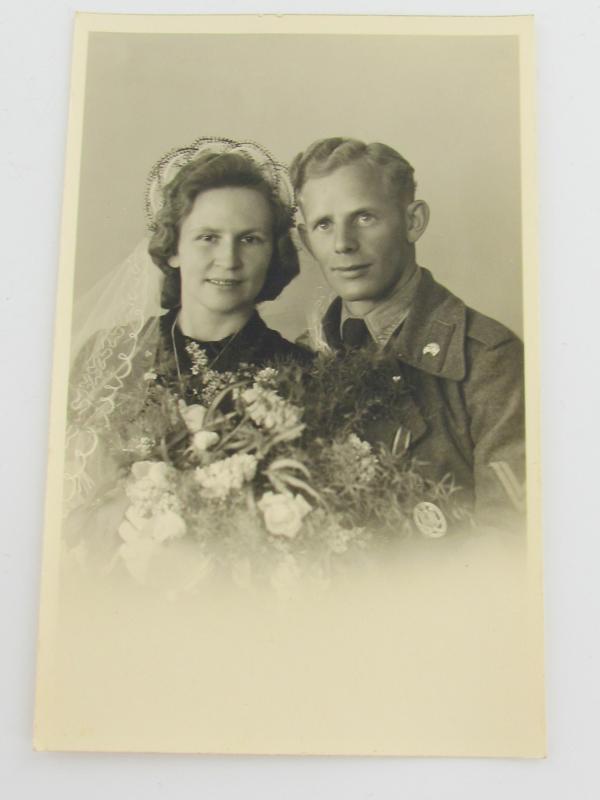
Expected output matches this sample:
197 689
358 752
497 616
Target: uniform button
431 349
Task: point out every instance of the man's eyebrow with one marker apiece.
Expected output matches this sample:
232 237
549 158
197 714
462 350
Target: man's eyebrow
365 210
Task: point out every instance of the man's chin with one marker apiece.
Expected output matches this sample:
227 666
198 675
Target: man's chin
355 294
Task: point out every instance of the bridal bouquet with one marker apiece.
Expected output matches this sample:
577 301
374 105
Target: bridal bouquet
266 472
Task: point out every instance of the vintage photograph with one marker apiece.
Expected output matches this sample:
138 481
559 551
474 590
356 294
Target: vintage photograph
293 493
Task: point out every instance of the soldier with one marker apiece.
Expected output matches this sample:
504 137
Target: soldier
463 413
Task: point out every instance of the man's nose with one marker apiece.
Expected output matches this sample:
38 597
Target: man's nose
228 256
345 241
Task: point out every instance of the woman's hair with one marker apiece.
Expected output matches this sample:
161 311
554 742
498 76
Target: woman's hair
215 171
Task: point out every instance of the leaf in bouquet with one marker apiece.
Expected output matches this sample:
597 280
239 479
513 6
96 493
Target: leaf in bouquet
276 482
250 500
288 435
218 421
177 438
230 389
298 483
400 445
238 436
289 463
164 451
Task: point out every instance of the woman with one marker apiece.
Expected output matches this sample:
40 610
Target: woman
222 240
220 213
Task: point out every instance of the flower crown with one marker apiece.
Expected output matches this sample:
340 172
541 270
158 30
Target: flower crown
168 166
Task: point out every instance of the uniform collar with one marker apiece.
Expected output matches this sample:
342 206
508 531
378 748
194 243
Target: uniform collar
432 337
387 316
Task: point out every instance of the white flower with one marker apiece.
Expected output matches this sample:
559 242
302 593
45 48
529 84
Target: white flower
168 502
193 416
157 472
359 444
222 477
150 375
365 460
268 410
133 525
145 445
151 481
266 376
198 358
204 440
283 513
165 526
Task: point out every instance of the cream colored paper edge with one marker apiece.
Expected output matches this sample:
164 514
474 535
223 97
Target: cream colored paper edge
523 27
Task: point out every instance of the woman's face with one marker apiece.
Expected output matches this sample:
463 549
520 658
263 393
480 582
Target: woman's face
224 250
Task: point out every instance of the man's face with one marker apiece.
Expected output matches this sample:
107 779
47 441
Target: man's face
357 232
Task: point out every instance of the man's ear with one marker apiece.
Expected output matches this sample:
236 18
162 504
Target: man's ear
173 261
303 233
417 218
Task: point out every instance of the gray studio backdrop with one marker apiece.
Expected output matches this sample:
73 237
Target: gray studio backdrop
449 104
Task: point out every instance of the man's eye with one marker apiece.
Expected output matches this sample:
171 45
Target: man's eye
365 218
323 225
206 237
251 239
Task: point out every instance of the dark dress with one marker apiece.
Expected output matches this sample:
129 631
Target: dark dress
254 345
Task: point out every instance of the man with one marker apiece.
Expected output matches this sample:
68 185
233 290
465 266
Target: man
464 409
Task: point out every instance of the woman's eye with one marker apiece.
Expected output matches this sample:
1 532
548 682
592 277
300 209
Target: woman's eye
254 239
323 225
206 237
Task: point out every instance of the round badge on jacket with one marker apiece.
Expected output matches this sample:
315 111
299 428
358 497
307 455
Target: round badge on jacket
429 520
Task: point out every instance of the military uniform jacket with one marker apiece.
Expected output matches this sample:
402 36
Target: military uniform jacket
463 414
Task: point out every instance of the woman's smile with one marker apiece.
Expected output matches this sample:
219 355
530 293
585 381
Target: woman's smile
224 283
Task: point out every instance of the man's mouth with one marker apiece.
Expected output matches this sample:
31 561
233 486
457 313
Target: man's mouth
351 270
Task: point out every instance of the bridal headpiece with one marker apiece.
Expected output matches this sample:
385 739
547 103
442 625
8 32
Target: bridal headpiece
168 166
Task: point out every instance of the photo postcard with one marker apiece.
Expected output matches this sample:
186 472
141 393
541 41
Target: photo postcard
293 492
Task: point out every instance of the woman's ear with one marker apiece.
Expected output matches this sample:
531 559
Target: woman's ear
417 218
173 262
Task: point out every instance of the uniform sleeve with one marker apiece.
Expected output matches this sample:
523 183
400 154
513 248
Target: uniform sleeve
494 395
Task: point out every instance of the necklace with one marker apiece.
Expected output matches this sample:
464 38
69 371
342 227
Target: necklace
208 366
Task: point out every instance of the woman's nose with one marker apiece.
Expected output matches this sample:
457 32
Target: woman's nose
228 256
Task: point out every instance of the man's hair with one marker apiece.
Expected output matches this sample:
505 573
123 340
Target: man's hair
215 171
326 155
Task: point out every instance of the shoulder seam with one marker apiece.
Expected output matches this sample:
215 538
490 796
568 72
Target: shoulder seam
486 330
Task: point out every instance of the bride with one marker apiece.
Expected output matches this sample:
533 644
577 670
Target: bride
220 214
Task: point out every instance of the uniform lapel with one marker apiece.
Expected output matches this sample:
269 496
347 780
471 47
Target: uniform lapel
432 339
